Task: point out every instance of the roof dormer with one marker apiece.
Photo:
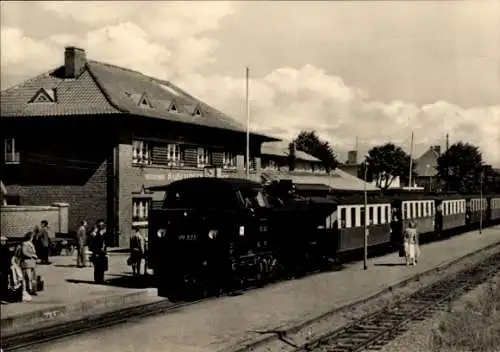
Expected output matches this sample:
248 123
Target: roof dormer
197 111
44 95
173 107
144 101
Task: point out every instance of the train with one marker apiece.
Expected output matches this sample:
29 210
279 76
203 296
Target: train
214 235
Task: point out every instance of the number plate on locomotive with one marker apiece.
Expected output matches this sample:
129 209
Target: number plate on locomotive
189 237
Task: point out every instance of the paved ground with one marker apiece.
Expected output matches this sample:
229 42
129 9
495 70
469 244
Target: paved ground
218 324
73 288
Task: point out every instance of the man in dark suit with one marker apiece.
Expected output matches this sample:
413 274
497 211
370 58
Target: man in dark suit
44 240
99 252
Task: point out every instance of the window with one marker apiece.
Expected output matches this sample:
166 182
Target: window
427 209
410 216
141 153
140 211
387 214
370 215
228 160
174 155
203 157
421 209
11 156
343 215
353 218
363 216
378 210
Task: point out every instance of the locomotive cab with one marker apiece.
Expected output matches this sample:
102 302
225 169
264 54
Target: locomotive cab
203 224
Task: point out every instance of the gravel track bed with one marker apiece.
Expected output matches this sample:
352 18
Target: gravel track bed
419 336
336 321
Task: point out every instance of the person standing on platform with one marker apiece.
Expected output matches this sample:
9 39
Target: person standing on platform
410 243
99 253
28 260
81 242
44 239
137 250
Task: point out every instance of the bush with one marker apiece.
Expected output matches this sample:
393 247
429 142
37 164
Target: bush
472 326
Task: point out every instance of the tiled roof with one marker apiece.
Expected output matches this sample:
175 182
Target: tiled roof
337 179
109 89
81 96
281 149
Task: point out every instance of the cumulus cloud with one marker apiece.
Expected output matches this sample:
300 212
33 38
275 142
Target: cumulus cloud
174 41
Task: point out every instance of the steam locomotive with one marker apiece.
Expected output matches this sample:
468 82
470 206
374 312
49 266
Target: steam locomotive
218 234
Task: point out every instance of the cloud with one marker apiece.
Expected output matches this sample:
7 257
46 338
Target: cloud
289 100
175 41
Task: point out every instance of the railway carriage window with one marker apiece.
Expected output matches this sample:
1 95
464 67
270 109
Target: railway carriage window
343 215
353 217
362 216
427 209
410 216
370 214
378 209
387 214
405 211
422 210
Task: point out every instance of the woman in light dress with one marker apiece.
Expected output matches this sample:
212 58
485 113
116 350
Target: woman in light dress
411 244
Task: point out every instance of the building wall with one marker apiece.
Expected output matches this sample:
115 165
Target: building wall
63 167
17 220
133 182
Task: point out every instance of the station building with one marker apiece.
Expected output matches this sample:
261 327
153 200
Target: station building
96 136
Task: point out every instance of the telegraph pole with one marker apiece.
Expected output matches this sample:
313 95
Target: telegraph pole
365 242
247 156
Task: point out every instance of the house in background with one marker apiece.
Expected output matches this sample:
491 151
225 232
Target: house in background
308 169
352 167
426 168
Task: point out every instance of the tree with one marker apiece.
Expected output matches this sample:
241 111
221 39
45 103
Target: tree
460 168
385 163
310 143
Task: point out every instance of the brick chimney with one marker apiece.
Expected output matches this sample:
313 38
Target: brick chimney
74 61
352 157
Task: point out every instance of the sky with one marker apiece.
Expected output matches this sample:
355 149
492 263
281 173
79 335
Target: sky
372 70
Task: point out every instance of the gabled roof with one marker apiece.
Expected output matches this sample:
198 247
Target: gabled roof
427 163
108 89
281 149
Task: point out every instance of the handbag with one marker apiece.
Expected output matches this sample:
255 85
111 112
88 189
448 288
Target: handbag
40 284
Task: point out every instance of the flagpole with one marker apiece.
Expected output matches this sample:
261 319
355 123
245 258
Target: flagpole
411 160
247 157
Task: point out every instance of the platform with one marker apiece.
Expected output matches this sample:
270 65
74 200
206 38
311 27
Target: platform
71 290
220 324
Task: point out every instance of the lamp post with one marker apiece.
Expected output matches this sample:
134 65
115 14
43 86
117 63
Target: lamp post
365 242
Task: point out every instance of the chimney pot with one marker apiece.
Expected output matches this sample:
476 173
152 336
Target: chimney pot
74 61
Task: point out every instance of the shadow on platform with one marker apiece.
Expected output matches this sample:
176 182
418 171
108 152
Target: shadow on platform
389 264
139 282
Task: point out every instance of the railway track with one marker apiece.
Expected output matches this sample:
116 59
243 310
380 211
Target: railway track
374 330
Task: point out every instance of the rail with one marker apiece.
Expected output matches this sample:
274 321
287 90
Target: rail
374 330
